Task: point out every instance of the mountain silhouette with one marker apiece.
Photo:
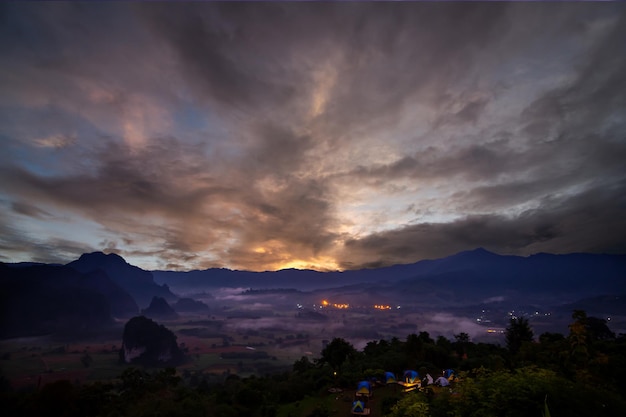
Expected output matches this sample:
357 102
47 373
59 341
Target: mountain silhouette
159 309
49 299
137 282
189 305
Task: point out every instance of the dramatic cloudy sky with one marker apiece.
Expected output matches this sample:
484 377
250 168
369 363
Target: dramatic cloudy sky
265 136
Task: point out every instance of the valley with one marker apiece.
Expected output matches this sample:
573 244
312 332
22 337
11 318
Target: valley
224 327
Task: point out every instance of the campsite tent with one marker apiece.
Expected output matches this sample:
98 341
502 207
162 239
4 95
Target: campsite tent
358 407
427 379
390 378
441 381
449 374
364 388
411 377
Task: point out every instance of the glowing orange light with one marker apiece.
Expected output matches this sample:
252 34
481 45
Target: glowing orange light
326 303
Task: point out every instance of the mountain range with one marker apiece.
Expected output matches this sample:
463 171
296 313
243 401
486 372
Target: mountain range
466 277
88 293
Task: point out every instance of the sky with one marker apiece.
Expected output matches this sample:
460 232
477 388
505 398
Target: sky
263 136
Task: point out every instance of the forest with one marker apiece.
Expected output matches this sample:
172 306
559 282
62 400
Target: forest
550 375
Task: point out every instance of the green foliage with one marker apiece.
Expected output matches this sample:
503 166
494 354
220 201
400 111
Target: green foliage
598 330
414 404
522 392
388 403
517 333
337 352
578 338
302 365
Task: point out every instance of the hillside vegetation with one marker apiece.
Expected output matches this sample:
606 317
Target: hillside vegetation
580 374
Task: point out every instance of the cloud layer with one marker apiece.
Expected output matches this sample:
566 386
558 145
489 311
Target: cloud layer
321 135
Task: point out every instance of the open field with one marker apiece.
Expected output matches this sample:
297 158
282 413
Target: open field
31 362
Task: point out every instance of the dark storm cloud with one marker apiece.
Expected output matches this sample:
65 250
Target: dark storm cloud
216 46
588 222
29 210
474 162
589 102
255 55
45 250
121 180
392 58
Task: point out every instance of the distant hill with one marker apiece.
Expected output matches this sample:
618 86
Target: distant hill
481 277
159 309
137 282
474 275
48 299
186 282
148 343
479 274
189 305
604 305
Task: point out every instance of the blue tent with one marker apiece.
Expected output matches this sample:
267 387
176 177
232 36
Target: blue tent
364 388
449 374
390 378
411 377
358 407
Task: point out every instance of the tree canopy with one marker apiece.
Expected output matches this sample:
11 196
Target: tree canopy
489 384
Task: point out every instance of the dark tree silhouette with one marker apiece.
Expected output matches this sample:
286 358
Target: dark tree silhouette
579 337
517 333
598 330
337 352
462 338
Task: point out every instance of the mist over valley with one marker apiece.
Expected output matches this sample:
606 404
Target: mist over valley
252 322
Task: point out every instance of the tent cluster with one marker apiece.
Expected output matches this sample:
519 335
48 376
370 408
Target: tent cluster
363 392
411 379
